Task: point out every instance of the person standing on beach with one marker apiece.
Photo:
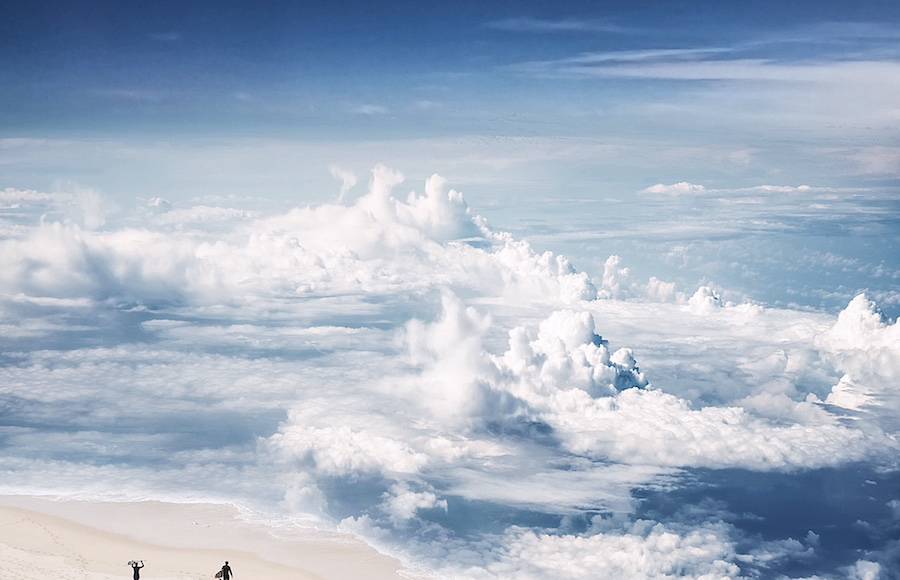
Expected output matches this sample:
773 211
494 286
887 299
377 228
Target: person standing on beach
227 574
137 569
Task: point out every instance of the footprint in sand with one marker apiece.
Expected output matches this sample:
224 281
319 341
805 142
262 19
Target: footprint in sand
80 561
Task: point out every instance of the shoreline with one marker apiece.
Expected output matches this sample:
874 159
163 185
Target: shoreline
43 538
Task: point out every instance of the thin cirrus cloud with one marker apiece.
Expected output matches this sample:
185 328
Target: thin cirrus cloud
693 64
166 37
370 109
822 56
686 188
853 89
546 25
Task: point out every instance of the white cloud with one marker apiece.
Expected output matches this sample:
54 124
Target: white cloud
449 352
427 105
680 188
705 300
347 179
77 204
866 349
615 278
783 188
864 570
659 429
399 360
303 496
11 197
202 214
93 208
378 245
645 550
662 291
566 353
369 109
544 25
706 63
401 503
346 451
159 203
567 377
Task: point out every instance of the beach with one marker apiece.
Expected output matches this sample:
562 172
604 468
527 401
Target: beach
43 538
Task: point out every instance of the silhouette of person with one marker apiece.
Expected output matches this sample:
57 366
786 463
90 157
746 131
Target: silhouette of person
226 571
137 569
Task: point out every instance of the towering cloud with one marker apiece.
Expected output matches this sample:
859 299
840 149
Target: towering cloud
395 365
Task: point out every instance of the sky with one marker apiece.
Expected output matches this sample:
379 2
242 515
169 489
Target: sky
508 290
609 97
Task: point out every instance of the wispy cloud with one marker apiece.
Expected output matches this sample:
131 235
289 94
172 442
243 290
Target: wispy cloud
347 178
642 56
545 25
427 105
877 160
369 109
684 188
705 64
133 95
837 33
165 36
848 53
680 188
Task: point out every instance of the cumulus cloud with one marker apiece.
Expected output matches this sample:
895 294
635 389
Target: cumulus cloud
449 352
705 300
346 451
644 550
662 291
566 353
378 245
656 428
401 503
866 348
618 282
597 404
616 277
396 364
864 570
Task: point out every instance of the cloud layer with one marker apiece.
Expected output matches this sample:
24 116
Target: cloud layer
397 368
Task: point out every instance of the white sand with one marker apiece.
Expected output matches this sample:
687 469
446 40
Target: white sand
42 539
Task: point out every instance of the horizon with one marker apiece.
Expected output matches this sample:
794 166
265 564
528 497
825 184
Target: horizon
504 290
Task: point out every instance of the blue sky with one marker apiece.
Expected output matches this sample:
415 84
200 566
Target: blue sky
519 104
803 92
